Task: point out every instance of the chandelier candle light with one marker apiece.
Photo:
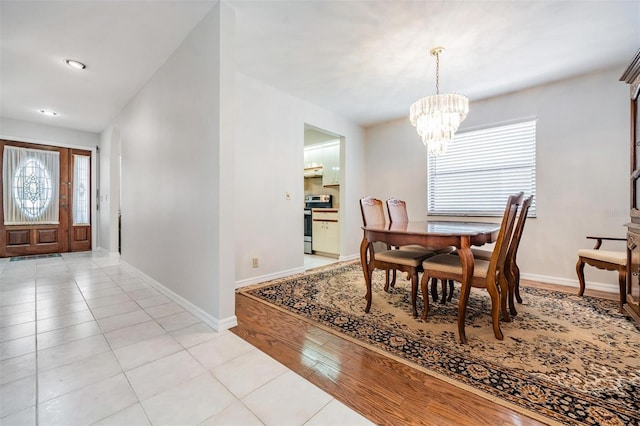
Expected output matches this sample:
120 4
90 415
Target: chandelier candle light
437 117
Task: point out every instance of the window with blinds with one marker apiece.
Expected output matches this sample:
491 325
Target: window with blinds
481 169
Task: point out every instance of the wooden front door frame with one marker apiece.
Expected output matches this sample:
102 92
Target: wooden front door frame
65 244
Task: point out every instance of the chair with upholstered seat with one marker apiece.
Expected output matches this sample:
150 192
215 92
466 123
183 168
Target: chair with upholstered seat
486 274
512 270
409 261
609 260
397 211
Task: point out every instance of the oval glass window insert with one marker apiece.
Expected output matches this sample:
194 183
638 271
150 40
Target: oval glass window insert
32 188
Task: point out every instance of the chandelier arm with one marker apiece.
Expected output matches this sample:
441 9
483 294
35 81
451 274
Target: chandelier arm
438 73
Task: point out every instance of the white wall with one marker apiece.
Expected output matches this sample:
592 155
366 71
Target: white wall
269 141
51 135
109 196
582 169
173 149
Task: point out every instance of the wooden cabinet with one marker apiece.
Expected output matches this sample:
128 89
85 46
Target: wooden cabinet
632 306
326 232
631 76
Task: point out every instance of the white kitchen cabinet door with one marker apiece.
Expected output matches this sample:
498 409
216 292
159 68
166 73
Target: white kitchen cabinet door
326 232
331 163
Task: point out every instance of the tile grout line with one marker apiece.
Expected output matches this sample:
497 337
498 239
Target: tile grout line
35 305
102 332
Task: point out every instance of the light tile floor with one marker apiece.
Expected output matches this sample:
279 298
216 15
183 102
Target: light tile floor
85 341
314 261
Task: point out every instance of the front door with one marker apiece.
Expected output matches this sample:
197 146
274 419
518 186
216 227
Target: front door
46 199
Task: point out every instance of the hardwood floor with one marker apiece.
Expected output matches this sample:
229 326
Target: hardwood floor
385 391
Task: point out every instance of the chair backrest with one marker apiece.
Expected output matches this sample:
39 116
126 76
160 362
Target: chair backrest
372 211
397 211
499 255
517 232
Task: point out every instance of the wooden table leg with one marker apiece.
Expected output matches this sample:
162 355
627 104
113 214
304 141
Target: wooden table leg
466 261
364 246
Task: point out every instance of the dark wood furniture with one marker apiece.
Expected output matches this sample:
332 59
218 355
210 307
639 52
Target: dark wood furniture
631 306
512 270
604 259
397 212
433 235
409 261
489 275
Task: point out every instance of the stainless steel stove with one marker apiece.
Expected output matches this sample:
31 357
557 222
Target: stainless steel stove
313 202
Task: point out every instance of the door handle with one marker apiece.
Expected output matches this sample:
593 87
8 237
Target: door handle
63 205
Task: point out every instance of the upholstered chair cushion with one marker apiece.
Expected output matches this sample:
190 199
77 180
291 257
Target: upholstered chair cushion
403 257
481 254
615 257
452 265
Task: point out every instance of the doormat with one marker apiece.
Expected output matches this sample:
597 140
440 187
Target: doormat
564 359
33 257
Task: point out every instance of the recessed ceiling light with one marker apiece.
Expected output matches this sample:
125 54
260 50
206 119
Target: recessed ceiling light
47 112
75 64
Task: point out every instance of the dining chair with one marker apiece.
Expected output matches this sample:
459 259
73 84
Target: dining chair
488 274
397 211
409 261
609 260
512 270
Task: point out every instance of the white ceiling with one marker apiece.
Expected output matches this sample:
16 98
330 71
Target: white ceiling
366 60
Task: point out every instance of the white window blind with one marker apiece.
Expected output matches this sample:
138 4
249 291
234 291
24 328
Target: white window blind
30 179
481 169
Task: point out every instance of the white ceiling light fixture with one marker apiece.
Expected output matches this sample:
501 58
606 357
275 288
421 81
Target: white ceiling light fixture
75 64
437 117
48 112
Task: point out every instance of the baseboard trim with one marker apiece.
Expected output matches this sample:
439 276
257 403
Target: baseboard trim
349 257
213 322
105 252
268 277
590 285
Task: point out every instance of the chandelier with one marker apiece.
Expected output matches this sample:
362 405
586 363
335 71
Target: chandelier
437 117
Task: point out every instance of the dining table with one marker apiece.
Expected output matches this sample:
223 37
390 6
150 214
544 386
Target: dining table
434 235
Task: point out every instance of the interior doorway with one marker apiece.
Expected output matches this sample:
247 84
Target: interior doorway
323 185
46 199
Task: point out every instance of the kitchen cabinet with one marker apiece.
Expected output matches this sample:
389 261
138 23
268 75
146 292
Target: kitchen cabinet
331 165
631 308
326 232
313 156
327 156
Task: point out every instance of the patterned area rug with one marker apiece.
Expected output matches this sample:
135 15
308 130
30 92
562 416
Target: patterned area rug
564 359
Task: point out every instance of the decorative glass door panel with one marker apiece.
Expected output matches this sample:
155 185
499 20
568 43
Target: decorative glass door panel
80 232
